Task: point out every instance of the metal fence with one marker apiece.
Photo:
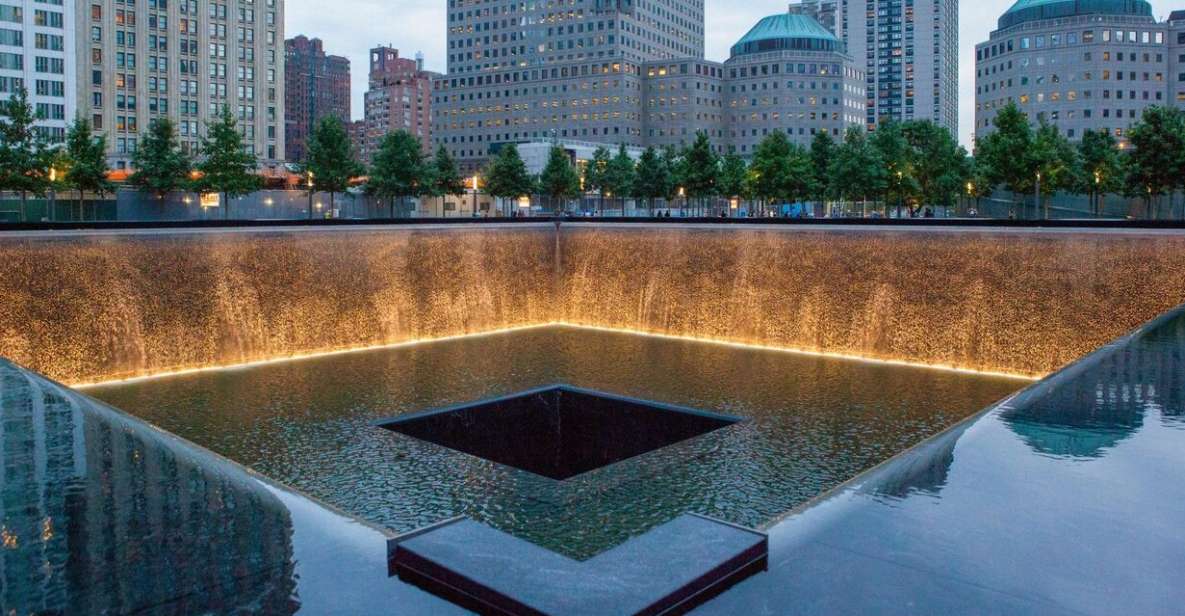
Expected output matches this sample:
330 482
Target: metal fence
135 206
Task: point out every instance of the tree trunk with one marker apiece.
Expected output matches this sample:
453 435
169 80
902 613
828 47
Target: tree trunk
23 210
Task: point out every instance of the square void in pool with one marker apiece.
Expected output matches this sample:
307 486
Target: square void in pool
558 432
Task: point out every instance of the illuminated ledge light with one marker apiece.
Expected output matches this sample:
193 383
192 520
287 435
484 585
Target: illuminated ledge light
600 328
800 351
304 356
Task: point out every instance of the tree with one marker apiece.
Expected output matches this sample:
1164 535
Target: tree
330 159
672 162
398 169
445 178
822 151
160 165
1157 158
701 169
653 178
507 176
896 155
619 177
86 160
781 170
1054 161
857 169
594 175
228 167
733 176
938 164
25 157
559 180
1101 167
1004 153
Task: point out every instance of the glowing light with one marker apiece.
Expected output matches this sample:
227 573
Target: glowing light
801 351
314 355
584 326
8 539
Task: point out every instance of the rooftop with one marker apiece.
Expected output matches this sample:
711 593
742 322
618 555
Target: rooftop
787 31
1032 10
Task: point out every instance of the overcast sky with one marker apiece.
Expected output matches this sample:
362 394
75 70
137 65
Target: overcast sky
352 27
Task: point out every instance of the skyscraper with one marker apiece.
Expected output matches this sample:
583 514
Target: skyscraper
139 61
37 54
532 71
910 50
317 85
399 98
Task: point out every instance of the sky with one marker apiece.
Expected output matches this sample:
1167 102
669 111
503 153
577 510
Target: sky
351 27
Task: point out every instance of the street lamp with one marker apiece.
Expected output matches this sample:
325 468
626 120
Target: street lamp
1037 196
683 196
1098 178
474 178
310 185
900 194
53 179
970 191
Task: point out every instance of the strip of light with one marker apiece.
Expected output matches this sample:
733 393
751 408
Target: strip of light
801 351
306 356
584 326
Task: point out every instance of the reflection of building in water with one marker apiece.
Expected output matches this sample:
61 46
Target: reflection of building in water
1106 404
99 514
923 469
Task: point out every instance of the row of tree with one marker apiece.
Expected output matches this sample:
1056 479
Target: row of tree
1041 161
907 165
30 165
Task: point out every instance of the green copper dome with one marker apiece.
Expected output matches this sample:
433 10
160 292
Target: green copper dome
787 31
1033 10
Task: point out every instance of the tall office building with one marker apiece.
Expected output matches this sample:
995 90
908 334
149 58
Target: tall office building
317 85
185 60
37 54
536 71
1080 65
910 50
399 98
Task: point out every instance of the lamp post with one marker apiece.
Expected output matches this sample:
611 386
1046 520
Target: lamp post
474 196
900 194
970 191
1037 196
682 206
53 179
1098 209
310 185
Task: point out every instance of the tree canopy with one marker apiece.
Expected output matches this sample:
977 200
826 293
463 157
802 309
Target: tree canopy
86 156
25 157
330 157
507 176
227 166
559 180
398 169
160 165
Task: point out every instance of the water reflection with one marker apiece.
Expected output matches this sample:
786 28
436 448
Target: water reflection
811 423
1109 401
98 515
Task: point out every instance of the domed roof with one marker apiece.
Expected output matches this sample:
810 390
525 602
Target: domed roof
1033 10
787 31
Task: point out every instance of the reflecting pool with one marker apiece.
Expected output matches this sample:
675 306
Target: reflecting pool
808 423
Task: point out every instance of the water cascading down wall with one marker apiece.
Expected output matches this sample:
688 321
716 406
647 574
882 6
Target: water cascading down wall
108 305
